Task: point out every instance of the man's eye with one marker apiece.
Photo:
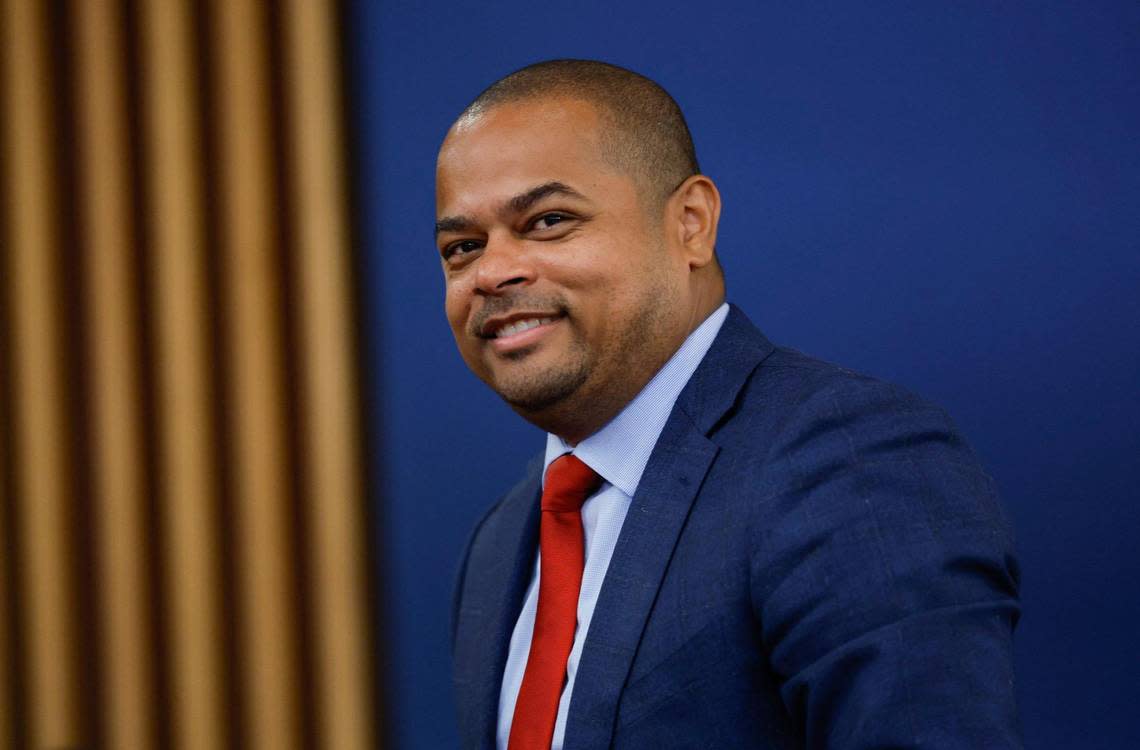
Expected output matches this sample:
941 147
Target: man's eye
461 248
546 221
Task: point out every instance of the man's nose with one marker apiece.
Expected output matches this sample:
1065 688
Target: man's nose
503 264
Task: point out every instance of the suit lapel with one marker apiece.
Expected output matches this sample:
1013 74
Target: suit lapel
660 507
668 488
502 583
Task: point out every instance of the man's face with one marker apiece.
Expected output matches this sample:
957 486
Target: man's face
561 288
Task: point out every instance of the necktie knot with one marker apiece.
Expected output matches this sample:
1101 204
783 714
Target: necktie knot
569 482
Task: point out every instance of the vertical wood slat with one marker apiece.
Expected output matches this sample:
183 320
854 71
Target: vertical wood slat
127 697
9 668
49 610
188 487
334 494
7 594
268 630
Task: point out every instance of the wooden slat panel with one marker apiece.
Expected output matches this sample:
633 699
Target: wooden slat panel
40 439
334 495
182 366
9 670
253 305
187 467
128 693
7 563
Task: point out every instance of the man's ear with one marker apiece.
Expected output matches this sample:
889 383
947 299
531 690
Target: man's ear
696 212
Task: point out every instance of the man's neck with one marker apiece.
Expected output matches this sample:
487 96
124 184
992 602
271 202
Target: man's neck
579 418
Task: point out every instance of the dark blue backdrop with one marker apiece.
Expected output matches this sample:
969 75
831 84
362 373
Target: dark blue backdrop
946 197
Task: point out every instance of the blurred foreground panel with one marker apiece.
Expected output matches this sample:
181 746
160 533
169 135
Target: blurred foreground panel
184 558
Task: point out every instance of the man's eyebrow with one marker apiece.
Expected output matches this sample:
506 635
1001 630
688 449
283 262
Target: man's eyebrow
523 201
453 224
517 204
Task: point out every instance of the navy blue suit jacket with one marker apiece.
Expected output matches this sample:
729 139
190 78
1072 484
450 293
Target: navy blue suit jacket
813 559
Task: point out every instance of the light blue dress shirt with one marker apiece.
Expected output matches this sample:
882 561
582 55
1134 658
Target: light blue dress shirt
618 452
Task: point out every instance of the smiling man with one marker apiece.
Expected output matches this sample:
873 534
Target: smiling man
725 543
565 294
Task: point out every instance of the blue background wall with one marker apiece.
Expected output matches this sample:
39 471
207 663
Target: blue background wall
946 197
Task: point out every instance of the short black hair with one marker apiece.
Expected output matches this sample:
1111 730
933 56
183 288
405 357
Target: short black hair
647 135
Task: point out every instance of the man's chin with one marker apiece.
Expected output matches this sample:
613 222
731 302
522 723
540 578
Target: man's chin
533 400
537 390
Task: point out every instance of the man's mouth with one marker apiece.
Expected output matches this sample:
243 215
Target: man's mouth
519 326
504 326
516 332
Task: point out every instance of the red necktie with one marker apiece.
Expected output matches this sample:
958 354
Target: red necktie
568 483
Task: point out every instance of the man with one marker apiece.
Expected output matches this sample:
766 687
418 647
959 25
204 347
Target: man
726 544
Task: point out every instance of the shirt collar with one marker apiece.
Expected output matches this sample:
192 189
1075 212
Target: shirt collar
620 451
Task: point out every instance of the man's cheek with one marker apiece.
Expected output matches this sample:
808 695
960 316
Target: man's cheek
456 318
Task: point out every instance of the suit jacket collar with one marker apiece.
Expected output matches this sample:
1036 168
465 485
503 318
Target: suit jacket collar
738 349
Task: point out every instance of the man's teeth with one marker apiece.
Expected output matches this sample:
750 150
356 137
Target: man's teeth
521 325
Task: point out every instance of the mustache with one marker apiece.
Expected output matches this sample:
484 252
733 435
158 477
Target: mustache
494 307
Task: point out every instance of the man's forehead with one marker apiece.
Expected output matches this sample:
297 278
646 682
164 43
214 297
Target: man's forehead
511 148
531 111
498 131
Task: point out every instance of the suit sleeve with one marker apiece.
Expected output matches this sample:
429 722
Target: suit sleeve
884 577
